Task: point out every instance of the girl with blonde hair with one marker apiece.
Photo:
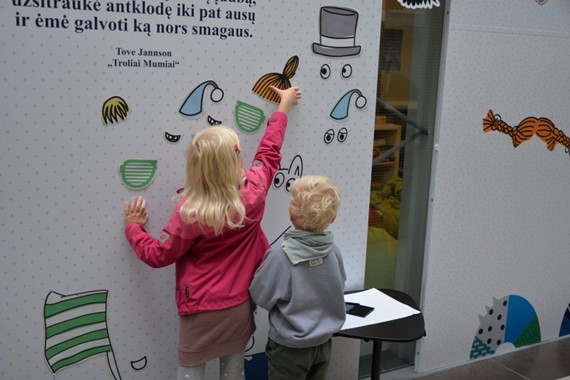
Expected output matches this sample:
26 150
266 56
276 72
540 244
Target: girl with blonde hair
213 180
214 238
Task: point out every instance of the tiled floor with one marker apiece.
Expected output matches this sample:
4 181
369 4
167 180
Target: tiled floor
546 361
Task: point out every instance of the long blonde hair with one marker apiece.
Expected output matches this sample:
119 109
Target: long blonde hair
213 174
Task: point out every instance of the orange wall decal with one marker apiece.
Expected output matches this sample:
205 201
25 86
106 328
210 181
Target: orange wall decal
526 129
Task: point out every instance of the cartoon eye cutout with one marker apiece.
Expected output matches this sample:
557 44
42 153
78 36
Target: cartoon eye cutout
173 139
278 180
342 135
329 136
294 171
325 71
346 71
212 121
290 183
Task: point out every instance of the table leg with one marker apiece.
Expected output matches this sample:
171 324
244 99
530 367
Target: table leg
376 359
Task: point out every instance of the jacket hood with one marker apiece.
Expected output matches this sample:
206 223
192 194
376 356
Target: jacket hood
301 246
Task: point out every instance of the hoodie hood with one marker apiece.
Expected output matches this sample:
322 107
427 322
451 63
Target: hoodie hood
301 246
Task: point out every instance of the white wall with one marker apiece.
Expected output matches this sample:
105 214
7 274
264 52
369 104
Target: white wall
498 216
62 196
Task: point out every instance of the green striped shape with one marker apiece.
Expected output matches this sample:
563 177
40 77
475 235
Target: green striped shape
79 357
74 323
53 309
137 174
76 328
85 338
248 118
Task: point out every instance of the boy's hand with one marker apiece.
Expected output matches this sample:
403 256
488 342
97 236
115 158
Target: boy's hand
289 97
135 211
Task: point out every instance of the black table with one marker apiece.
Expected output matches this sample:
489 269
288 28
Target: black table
406 329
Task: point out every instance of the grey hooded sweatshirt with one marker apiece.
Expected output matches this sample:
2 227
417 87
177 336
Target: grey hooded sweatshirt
301 284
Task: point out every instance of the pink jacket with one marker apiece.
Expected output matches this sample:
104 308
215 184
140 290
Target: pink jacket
214 272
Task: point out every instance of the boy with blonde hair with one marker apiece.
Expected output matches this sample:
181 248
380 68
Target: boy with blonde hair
301 284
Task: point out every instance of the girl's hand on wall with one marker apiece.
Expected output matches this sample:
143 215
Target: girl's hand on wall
135 211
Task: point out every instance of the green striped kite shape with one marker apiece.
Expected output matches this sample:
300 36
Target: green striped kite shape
76 329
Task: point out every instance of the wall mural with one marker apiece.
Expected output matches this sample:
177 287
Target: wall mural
75 325
338 27
138 174
511 319
158 89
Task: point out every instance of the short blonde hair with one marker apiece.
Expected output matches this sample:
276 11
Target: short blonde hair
213 173
314 203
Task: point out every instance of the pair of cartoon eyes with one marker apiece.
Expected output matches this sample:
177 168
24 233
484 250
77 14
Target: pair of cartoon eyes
341 136
346 71
279 180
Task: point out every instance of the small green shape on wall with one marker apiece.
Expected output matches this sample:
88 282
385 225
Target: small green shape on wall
248 118
137 174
